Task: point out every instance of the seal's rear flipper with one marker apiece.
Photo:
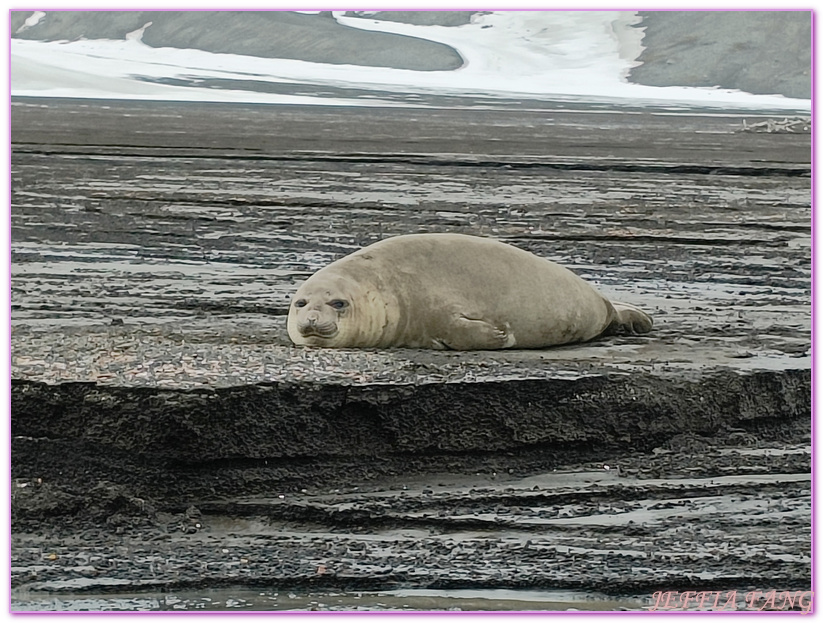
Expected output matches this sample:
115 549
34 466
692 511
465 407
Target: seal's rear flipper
630 319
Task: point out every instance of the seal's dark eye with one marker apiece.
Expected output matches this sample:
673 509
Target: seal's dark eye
300 303
338 304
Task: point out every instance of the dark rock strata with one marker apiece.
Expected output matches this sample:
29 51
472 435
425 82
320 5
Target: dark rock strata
148 436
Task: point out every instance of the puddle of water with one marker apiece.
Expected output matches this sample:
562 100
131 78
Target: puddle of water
403 599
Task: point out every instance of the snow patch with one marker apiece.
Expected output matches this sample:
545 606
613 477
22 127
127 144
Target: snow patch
31 20
137 35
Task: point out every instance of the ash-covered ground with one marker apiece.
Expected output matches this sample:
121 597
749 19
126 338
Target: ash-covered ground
171 449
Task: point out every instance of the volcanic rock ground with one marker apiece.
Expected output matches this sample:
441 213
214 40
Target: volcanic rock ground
171 449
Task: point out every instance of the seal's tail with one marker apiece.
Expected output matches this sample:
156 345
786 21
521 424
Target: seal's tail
630 319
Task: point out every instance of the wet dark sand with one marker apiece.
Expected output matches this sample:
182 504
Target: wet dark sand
168 439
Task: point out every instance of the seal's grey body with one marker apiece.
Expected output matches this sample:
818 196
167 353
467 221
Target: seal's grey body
451 291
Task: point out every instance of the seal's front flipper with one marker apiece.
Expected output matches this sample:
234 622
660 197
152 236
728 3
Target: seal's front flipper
465 333
630 319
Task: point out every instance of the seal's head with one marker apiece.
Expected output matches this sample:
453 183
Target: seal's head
335 311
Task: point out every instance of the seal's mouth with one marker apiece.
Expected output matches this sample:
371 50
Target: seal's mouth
324 333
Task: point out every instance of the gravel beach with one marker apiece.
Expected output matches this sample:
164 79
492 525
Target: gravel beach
172 450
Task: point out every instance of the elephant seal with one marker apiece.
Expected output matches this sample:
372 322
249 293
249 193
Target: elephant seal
451 291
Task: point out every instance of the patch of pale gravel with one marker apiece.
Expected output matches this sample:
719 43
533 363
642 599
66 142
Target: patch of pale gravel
160 356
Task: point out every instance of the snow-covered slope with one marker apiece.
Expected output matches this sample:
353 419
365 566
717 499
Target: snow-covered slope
582 56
